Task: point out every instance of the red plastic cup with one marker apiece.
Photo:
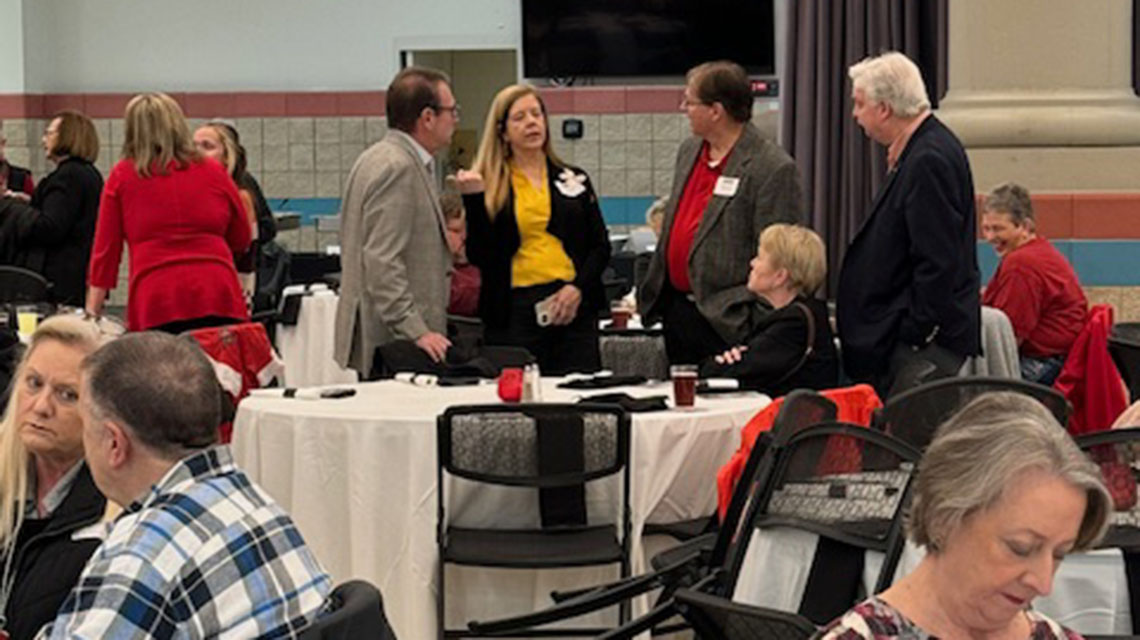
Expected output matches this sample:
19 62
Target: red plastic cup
511 385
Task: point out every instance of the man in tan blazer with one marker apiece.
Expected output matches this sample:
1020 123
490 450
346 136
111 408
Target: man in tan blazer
729 184
394 257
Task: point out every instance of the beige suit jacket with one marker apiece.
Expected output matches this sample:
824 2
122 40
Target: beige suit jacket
395 264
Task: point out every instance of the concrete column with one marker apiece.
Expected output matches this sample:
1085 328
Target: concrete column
1040 92
12 47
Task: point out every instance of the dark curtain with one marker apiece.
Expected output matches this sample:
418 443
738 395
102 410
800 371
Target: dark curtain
840 167
1136 46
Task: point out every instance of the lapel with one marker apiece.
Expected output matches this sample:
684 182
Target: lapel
738 160
680 177
404 141
892 176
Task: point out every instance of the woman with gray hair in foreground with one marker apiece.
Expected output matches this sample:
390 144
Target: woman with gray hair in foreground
1003 494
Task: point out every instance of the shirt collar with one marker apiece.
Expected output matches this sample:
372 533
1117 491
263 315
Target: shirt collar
55 497
895 149
425 156
197 466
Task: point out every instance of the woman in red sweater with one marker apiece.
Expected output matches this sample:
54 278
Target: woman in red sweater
182 219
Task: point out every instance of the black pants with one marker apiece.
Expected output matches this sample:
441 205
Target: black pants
190 324
689 338
558 349
910 367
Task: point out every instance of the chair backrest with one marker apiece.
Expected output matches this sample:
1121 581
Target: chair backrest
353 611
510 444
914 415
1114 452
713 617
800 409
21 285
1124 346
849 486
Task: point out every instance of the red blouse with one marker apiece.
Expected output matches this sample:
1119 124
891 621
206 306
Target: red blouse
182 229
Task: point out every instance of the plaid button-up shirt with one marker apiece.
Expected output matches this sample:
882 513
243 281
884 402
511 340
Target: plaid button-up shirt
205 554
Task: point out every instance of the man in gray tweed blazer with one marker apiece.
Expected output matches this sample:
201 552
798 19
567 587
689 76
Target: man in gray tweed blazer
394 257
729 184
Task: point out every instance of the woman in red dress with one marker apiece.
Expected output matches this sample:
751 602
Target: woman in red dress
182 220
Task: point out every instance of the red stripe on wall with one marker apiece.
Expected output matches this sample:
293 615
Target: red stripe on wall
277 104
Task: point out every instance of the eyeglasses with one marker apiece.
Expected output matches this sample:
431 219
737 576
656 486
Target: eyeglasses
687 102
454 109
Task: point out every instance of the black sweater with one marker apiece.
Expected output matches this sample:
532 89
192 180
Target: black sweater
60 238
48 562
776 345
575 220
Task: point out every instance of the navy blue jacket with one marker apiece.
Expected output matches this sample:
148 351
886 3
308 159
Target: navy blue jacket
910 275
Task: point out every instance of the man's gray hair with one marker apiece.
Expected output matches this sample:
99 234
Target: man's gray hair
161 387
1012 199
982 450
891 79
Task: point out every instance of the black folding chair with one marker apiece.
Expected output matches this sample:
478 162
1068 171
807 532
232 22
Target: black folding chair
716 618
353 611
1115 452
1124 345
554 449
18 285
914 415
694 560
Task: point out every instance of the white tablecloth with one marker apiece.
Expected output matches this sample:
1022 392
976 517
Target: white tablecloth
1090 590
307 347
358 476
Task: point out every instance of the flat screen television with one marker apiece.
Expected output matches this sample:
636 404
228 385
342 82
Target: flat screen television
644 37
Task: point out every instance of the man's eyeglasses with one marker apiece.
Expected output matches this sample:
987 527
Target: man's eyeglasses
454 109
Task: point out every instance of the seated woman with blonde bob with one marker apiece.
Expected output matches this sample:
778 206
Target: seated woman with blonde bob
792 347
1003 494
48 500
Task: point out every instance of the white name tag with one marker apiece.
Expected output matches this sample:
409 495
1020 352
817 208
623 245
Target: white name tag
726 187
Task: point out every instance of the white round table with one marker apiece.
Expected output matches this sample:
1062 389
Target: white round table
358 475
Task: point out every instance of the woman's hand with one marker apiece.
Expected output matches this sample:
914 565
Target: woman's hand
469 181
733 355
564 305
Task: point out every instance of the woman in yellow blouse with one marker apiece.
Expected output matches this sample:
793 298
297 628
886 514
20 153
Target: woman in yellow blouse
536 233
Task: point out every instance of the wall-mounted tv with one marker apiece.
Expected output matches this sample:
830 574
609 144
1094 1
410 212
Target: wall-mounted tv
644 37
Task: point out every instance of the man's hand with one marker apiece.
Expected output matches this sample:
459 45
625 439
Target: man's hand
564 305
733 355
435 344
469 181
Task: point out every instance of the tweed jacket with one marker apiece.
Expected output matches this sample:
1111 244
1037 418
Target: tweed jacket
395 264
725 243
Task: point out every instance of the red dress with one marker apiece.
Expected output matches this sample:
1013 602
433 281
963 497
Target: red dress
182 229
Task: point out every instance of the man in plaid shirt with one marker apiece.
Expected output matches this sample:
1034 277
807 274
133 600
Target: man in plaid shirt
199 551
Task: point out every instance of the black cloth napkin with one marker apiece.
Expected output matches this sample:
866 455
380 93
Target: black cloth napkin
628 402
603 382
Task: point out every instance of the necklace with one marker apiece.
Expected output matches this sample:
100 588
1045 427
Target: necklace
7 583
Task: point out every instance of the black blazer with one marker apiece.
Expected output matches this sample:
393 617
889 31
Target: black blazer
48 562
58 244
575 220
776 345
910 275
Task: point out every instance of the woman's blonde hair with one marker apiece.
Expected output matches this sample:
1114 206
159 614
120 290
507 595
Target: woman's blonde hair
72 331
230 151
157 134
494 151
799 250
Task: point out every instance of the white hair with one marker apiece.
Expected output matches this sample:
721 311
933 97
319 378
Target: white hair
891 79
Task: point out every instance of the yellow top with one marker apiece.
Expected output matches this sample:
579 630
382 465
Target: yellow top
540 258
